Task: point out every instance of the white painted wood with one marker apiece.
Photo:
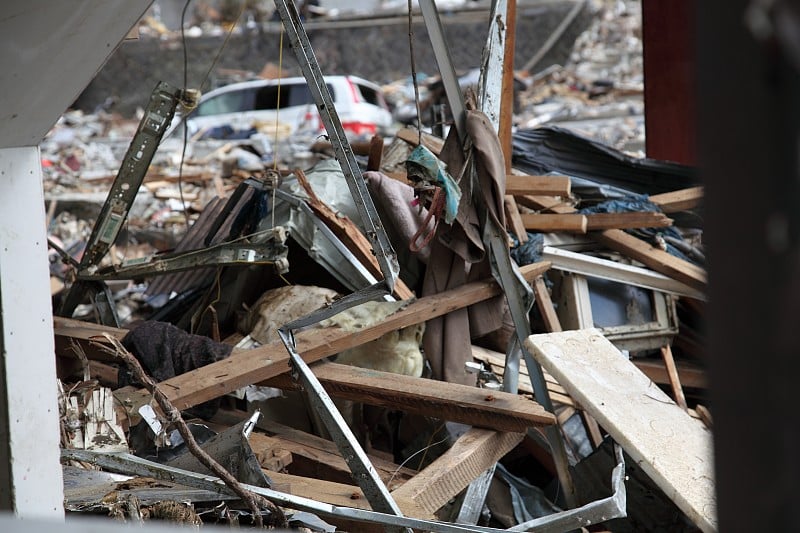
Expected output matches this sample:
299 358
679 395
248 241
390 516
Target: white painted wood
51 51
672 447
31 481
603 268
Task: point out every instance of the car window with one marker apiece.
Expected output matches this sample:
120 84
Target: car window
290 95
370 95
229 102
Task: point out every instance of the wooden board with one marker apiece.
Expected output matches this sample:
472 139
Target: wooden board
473 453
655 258
245 367
538 185
313 456
676 201
673 448
501 411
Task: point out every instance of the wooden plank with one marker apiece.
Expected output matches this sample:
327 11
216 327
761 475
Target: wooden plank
496 361
545 305
338 494
674 378
411 136
513 220
577 223
474 452
501 411
375 153
538 185
640 219
245 367
548 204
572 222
506 122
673 448
655 258
681 200
313 456
690 376
350 235
553 325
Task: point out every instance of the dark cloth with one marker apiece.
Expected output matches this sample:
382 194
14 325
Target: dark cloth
166 351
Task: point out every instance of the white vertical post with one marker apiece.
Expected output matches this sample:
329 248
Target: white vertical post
31 481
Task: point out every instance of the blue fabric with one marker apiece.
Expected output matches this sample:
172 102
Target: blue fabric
422 163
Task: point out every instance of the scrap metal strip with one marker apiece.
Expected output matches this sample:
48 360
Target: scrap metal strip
382 247
615 506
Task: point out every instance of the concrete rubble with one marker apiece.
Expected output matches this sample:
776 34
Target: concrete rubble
609 241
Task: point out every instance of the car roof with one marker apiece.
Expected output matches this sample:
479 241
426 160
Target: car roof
283 81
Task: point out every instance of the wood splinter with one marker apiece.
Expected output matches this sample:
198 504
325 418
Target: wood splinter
255 502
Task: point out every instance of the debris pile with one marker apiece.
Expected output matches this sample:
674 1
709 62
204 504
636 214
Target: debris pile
505 343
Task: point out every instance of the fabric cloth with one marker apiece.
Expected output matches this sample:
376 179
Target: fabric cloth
458 255
166 351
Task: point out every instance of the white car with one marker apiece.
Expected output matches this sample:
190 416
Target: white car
234 110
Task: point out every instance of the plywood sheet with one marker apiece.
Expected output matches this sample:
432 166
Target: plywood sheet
666 442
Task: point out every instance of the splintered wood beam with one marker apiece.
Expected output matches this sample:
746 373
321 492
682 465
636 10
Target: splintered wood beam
245 367
681 200
350 235
473 453
674 449
538 185
514 220
655 258
501 411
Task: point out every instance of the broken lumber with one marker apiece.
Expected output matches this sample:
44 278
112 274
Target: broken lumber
501 411
513 219
538 185
580 223
245 367
655 258
681 200
550 204
313 456
473 453
673 448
